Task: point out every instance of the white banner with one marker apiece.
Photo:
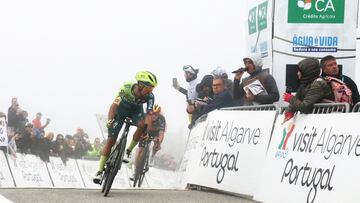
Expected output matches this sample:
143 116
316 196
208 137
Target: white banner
64 176
314 158
313 29
5 174
232 150
88 170
259 30
192 142
29 171
3 132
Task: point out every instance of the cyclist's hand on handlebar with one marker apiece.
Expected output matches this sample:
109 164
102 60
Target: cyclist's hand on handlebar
109 123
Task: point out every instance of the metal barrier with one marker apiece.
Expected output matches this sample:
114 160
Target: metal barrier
265 107
356 107
324 108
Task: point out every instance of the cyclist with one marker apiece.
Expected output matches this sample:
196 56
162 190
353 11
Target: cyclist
129 103
155 132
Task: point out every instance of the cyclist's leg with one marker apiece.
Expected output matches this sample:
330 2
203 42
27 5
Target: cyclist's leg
113 132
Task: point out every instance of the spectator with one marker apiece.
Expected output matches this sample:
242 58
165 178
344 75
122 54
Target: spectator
221 72
222 98
23 120
268 92
46 146
79 134
191 77
81 147
4 147
12 143
13 115
82 143
330 68
313 89
59 148
38 127
70 148
26 139
204 88
95 150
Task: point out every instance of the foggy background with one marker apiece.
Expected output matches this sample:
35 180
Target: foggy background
68 59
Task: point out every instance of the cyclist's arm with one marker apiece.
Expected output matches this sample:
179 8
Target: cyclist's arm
162 129
149 107
161 136
113 108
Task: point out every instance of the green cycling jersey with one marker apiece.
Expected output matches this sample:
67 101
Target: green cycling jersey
126 95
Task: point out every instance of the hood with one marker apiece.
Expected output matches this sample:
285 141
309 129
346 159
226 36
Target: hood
257 60
310 70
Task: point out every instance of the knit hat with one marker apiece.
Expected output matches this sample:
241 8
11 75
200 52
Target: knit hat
256 59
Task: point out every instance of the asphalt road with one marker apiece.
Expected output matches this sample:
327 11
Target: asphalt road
138 196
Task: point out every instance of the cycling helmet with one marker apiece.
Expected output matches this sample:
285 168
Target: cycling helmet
146 78
156 108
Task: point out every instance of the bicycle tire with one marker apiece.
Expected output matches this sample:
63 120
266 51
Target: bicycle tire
105 179
139 170
146 163
115 166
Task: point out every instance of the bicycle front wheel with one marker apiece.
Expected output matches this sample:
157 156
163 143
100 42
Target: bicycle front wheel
115 166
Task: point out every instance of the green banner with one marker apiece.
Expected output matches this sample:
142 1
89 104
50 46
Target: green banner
316 11
262 15
252 21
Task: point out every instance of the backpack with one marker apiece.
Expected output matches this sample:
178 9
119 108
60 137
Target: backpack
342 93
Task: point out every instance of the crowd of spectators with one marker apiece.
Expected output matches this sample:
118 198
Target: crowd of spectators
31 138
253 85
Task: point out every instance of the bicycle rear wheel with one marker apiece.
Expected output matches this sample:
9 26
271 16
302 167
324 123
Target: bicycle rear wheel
140 169
115 167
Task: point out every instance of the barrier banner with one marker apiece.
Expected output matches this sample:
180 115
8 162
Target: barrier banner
29 171
312 28
193 139
88 169
64 176
231 150
6 179
313 158
3 132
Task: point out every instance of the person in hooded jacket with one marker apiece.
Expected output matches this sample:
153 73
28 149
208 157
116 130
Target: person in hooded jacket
253 66
313 89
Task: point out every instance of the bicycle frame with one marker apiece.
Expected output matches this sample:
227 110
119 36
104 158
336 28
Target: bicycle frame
114 162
